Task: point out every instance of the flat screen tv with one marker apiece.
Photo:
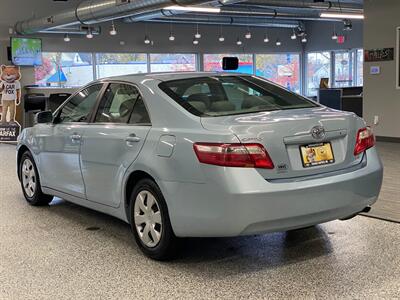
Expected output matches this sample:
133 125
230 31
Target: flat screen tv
26 51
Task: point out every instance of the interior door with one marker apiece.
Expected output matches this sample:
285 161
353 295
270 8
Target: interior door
113 142
60 143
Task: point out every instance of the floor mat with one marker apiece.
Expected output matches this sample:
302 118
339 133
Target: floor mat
388 205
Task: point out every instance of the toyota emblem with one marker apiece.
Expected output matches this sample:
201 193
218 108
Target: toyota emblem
318 132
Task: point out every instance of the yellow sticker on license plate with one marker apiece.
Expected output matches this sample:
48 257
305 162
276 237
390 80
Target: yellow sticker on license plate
317 155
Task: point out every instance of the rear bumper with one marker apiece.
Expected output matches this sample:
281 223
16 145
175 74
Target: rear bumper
238 201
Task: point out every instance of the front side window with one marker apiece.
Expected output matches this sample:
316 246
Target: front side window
80 106
117 103
230 95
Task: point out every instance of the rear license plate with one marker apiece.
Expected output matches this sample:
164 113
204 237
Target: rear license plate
317 155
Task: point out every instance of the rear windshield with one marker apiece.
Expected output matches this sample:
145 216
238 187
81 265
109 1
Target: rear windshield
230 95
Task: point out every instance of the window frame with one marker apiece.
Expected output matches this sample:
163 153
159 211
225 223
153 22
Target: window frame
306 70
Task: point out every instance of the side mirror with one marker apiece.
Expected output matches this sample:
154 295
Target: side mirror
44 117
230 63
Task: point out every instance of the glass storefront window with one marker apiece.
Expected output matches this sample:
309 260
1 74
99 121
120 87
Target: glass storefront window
64 69
318 66
360 67
172 62
283 69
213 63
116 64
344 64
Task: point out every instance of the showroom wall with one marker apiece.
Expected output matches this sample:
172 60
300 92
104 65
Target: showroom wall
381 97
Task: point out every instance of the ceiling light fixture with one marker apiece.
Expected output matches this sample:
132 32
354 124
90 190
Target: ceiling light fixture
331 15
67 38
266 38
195 42
194 8
89 33
293 36
304 39
239 42
221 37
197 35
334 35
248 35
147 40
113 30
171 34
278 42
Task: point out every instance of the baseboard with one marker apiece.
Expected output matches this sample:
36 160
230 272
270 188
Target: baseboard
388 139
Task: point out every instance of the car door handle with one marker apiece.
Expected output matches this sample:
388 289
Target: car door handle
132 139
75 137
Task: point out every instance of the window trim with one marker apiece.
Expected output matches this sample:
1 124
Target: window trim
176 53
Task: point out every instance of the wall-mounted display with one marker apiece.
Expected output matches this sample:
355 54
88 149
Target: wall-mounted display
26 52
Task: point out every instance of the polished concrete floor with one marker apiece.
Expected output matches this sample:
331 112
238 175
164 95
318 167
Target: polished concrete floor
388 206
56 252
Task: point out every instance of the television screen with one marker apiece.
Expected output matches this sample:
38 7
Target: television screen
26 52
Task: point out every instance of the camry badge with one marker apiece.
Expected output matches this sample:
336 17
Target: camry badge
318 132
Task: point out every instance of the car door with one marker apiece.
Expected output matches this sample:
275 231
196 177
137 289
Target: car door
113 142
60 143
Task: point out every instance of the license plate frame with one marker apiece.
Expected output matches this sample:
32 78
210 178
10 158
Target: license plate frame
316 155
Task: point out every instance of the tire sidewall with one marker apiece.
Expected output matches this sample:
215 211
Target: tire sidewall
164 248
35 198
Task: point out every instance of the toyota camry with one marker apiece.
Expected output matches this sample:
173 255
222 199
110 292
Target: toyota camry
200 155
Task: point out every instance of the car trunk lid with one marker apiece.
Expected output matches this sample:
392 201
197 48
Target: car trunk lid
284 132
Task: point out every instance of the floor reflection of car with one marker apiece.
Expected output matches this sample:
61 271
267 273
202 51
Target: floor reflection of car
200 155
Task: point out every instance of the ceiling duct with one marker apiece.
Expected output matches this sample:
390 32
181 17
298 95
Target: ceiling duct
225 20
96 11
332 6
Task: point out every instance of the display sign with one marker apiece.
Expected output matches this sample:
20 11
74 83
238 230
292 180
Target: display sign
26 52
10 90
385 54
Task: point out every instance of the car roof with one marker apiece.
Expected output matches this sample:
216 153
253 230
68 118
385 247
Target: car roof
136 78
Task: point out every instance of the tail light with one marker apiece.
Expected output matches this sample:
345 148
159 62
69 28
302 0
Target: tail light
233 155
365 140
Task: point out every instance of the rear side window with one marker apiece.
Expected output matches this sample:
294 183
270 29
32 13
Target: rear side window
230 95
117 104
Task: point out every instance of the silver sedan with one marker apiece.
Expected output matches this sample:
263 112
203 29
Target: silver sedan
200 155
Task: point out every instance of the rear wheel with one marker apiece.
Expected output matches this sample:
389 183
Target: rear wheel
30 182
150 221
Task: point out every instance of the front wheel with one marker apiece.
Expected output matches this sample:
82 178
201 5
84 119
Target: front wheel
30 182
150 221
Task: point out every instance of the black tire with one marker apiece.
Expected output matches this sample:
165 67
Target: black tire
167 246
37 198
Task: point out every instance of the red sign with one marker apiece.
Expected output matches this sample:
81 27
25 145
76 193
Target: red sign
341 39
